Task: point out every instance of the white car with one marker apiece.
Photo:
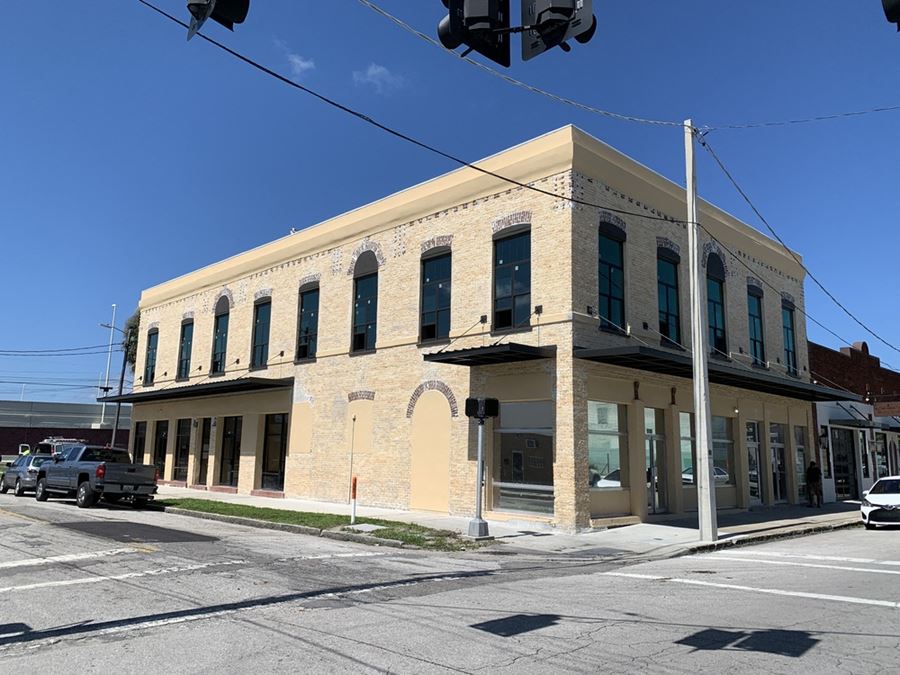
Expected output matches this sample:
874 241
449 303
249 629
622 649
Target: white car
881 504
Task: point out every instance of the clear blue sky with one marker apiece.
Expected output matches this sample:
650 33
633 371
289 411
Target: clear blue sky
129 156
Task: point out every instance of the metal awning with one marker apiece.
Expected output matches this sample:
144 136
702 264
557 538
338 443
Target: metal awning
241 385
511 352
862 424
681 365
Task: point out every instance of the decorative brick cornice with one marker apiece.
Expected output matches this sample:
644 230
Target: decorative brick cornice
665 242
437 242
511 220
433 385
713 247
361 395
262 293
612 219
366 245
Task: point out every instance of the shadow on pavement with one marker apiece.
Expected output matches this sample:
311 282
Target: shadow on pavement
764 516
508 626
792 643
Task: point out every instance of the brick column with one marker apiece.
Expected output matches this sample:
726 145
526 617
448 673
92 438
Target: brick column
572 496
251 453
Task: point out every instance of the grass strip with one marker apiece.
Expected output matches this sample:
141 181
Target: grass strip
408 533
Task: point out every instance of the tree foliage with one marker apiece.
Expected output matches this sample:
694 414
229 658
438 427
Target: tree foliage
130 341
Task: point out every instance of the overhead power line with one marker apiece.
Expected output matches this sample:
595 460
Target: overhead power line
48 351
705 144
63 355
462 162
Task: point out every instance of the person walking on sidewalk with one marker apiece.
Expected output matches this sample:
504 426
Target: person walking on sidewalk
814 484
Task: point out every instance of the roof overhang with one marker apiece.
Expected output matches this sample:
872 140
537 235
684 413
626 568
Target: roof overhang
511 352
242 385
862 424
681 365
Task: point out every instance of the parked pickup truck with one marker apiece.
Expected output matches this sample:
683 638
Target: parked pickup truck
91 472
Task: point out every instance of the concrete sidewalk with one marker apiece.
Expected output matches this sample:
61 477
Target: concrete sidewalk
666 536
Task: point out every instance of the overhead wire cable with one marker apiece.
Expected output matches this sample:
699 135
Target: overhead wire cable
705 144
48 351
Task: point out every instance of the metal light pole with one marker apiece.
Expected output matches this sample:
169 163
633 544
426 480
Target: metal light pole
478 527
108 360
706 487
127 335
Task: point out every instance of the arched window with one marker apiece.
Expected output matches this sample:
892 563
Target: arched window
755 321
259 347
667 296
307 321
611 275
365 303
512 281
715 304
434 321
150 361
220 336
185 344
790 336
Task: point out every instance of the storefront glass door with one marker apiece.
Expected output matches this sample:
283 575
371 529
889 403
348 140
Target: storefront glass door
753 464
655 449
522 458
845 480
231 451
779 462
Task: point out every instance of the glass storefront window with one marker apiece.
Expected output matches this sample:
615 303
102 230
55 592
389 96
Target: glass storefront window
800 460
686 441
607 445
864 453
723 451
881 456
522 475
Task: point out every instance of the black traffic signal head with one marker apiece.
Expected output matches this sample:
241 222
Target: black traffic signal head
482 407
481 25
892 11
225 12
553 22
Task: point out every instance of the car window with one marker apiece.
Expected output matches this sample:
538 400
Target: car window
37 461
886 487
19 461
63 455
109 455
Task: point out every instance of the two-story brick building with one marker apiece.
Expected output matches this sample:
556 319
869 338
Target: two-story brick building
348 348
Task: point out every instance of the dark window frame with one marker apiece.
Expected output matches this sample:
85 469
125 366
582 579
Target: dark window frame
431 330
274 480
789 334
219 358
364 334
150 356
610 301
259 349
312 336
516 322
715 307
183 372
757 345
665 314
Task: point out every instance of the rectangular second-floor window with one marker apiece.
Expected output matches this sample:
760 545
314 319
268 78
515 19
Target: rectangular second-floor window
184 350
612 284
667 295
755 321
220 343
435 320
150 361
365 312
790 340
715 306
262 316
308 324
512 281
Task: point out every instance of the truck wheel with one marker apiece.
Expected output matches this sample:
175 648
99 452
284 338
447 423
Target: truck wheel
40 490
85 497
4 488
19 490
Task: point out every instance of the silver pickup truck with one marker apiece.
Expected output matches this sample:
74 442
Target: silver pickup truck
91 472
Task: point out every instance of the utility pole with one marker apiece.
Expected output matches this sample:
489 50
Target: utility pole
108 360
115 428
703 472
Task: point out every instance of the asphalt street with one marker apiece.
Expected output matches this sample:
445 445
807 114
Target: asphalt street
111 588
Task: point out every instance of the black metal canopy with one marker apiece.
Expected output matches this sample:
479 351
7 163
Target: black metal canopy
511 352
241 385
681 365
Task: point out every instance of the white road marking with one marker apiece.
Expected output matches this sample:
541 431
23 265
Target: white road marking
118 577
326 556
69 557
810 556
757 561
764 591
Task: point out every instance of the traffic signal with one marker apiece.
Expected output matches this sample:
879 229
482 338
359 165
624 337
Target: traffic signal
481 25
552 22
225 12
892 11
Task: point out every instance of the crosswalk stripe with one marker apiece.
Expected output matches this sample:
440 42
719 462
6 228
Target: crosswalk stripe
68 557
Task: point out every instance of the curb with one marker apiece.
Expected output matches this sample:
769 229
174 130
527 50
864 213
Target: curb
287 527
787 533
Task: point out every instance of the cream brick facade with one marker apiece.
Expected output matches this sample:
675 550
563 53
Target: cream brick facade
388 416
